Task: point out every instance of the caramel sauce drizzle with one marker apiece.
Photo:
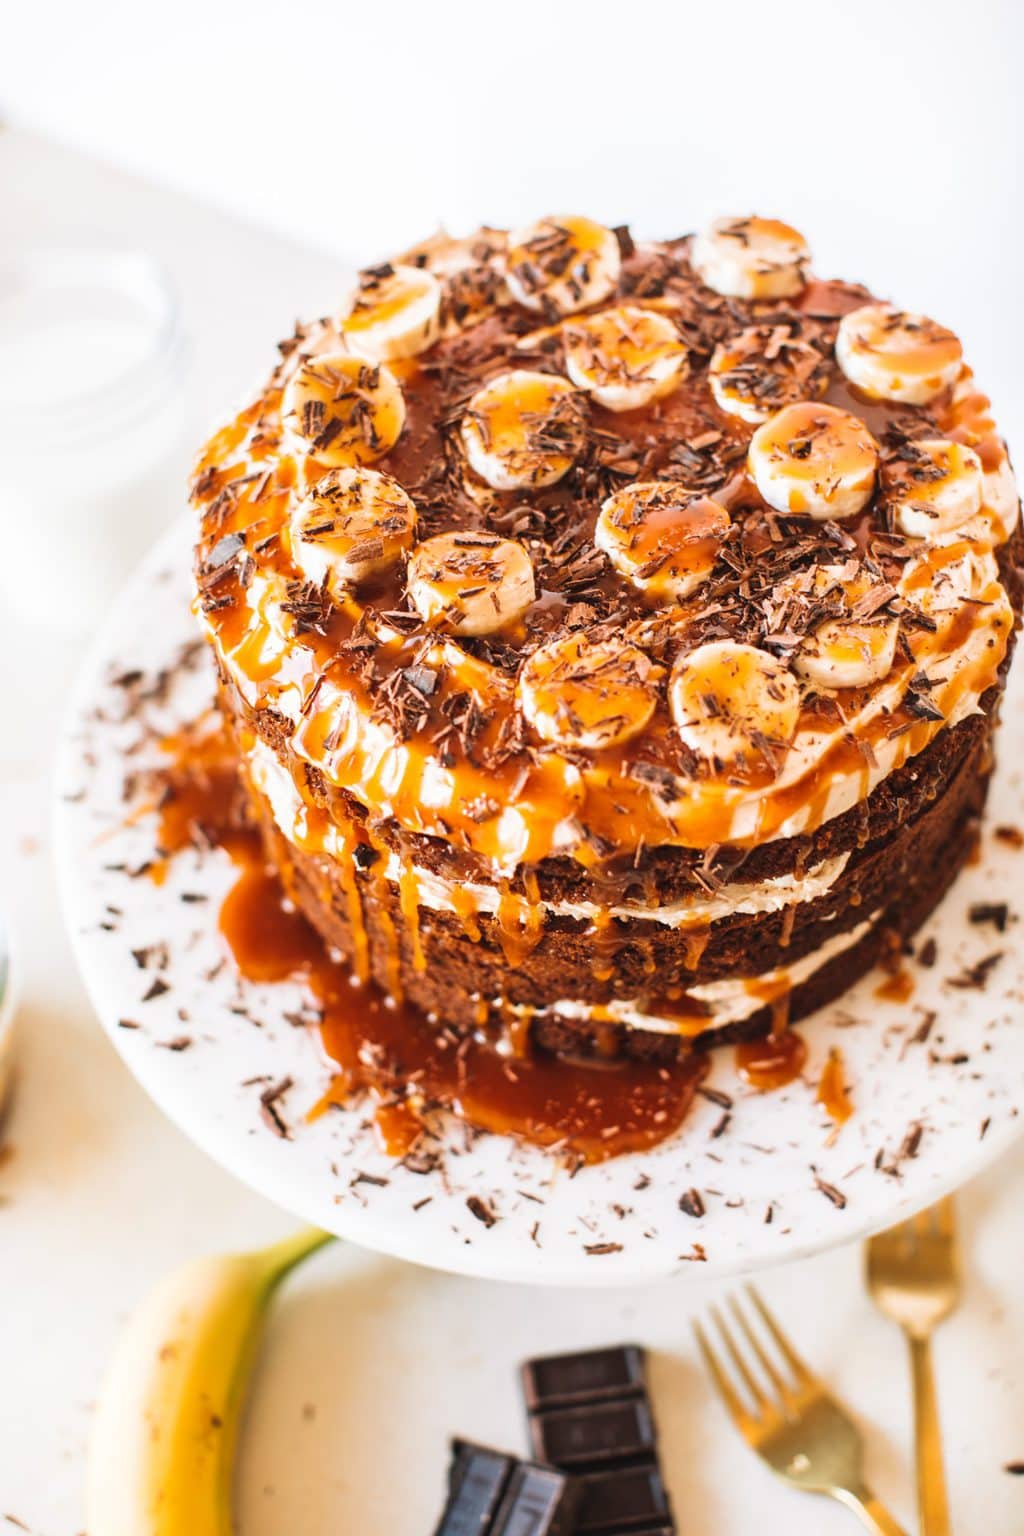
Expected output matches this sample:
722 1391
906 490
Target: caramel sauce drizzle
197 793
694 944
779 1057
773 1061
464 904
897 988
515 1032
410 909
379 1045
833 1092
604 944
519 921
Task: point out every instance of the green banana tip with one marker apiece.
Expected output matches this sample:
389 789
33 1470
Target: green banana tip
282 1257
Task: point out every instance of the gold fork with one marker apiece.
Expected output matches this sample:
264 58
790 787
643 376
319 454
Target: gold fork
798 1428
913 1274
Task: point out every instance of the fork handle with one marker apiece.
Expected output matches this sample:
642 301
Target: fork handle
933 1509
871 1512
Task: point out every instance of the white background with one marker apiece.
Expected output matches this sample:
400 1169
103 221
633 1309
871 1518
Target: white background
890 133
888 130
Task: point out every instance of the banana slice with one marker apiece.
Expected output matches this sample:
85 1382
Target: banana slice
661 538
729 700
524 430
578 692
845 653
354 523
470 583
934 486
626 357
765 367
560 265
751 258
851 642
892 355
341 410
815 459
395 312
446 254
944 582
471 295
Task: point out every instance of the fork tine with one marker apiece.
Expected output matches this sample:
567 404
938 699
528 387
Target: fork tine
902 1232
726 1390
945 1214
786 1349
746 1375
881 1242
766 1364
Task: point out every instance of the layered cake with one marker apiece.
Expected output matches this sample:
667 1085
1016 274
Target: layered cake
612 633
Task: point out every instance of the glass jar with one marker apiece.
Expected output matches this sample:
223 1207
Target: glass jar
92 426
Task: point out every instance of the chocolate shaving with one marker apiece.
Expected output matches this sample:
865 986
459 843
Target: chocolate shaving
830 1192
996 912
481 1210
692 1203
269 1111
976 976
310 606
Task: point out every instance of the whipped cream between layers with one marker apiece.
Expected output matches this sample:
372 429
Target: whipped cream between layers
728 1001
272 779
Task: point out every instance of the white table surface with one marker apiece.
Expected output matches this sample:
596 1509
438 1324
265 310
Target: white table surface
369 1365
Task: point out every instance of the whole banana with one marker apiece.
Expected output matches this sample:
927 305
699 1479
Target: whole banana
161 1457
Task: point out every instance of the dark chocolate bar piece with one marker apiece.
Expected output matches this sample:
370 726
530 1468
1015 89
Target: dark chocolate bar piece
625 1499
652 1530
559 1381
477 1479
589 1414
592 1436
538 1502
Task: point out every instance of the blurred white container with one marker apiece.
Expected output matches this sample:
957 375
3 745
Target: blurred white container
92 419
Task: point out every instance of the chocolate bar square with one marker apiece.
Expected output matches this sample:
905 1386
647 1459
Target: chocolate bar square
593 1435
477 1479
624 1499
559 1381
538 1502
589 1414
652 1530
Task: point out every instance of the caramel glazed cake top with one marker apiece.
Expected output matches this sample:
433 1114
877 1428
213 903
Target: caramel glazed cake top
549 545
